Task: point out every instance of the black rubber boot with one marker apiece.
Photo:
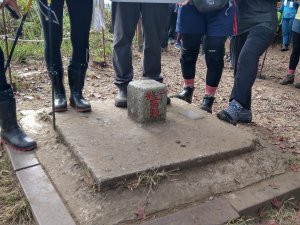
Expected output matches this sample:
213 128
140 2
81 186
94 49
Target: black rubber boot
207 103
60 99
121 99
289 79
11 133
186 94
76 74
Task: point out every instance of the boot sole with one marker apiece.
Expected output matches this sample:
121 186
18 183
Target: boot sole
6 142
121 104
81 110
61 110
224 117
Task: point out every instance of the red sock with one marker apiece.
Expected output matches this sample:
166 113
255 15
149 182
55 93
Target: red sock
211 91
189 82
291 71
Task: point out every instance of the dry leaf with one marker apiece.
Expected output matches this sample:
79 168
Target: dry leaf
276 203
141 213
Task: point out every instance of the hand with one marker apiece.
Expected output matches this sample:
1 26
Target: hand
13 4
185 2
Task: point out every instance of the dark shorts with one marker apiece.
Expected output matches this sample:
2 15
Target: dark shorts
219 23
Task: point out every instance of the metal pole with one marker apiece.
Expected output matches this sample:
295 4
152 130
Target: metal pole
51 69
104 48
19 33
262 65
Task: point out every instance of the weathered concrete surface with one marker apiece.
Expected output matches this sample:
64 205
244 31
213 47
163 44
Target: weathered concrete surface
147 101
179 190
215 212
114 147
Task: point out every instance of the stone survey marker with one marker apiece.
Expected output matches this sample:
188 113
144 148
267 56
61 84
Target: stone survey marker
147 101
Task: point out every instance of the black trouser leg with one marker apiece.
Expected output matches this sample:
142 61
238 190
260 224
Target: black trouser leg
294 60
3 81
248 50
80 12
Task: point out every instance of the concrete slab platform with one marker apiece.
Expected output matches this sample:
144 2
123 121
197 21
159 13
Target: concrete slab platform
114 148
215 212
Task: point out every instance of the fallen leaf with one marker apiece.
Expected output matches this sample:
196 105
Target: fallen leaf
294 167
276 203
141 213
272 222
261 212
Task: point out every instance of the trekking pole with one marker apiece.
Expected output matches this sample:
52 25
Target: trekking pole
6 43
19 33
52 73
104 48
262 65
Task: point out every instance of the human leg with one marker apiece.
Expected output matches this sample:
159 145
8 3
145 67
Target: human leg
189 55
80 19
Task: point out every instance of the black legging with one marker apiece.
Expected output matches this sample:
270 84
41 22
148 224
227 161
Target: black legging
80 12
294 60
3 81
248 47
214 48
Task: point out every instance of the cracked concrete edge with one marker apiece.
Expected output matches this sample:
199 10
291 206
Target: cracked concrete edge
249 200
245 202
46 204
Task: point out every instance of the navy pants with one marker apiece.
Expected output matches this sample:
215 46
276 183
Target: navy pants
248 47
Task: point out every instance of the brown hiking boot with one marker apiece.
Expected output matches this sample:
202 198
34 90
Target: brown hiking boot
289 79
297 85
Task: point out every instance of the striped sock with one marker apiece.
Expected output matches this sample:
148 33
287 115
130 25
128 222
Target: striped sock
189 82
291 71
211 91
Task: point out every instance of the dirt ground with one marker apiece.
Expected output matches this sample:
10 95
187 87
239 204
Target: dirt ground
276 111
276 108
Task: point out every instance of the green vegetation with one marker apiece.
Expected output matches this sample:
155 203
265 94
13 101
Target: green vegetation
30 45
14 208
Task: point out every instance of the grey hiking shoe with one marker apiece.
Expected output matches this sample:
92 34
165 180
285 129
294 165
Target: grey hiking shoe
297 85
289 79
235 113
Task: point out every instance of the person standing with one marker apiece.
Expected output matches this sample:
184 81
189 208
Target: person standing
255 31
288 10
11 132
80 12
192 25
125 16
294 59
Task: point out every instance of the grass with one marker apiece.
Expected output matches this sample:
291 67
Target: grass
14 208
31 46
287 214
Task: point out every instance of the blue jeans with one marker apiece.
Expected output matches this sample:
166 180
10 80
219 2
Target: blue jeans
287 31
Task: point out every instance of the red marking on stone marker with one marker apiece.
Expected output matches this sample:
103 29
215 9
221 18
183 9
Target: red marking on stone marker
154 100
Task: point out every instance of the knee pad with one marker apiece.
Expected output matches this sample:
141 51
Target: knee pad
214 54
188 56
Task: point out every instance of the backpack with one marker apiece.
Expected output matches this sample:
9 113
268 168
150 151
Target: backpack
206 6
